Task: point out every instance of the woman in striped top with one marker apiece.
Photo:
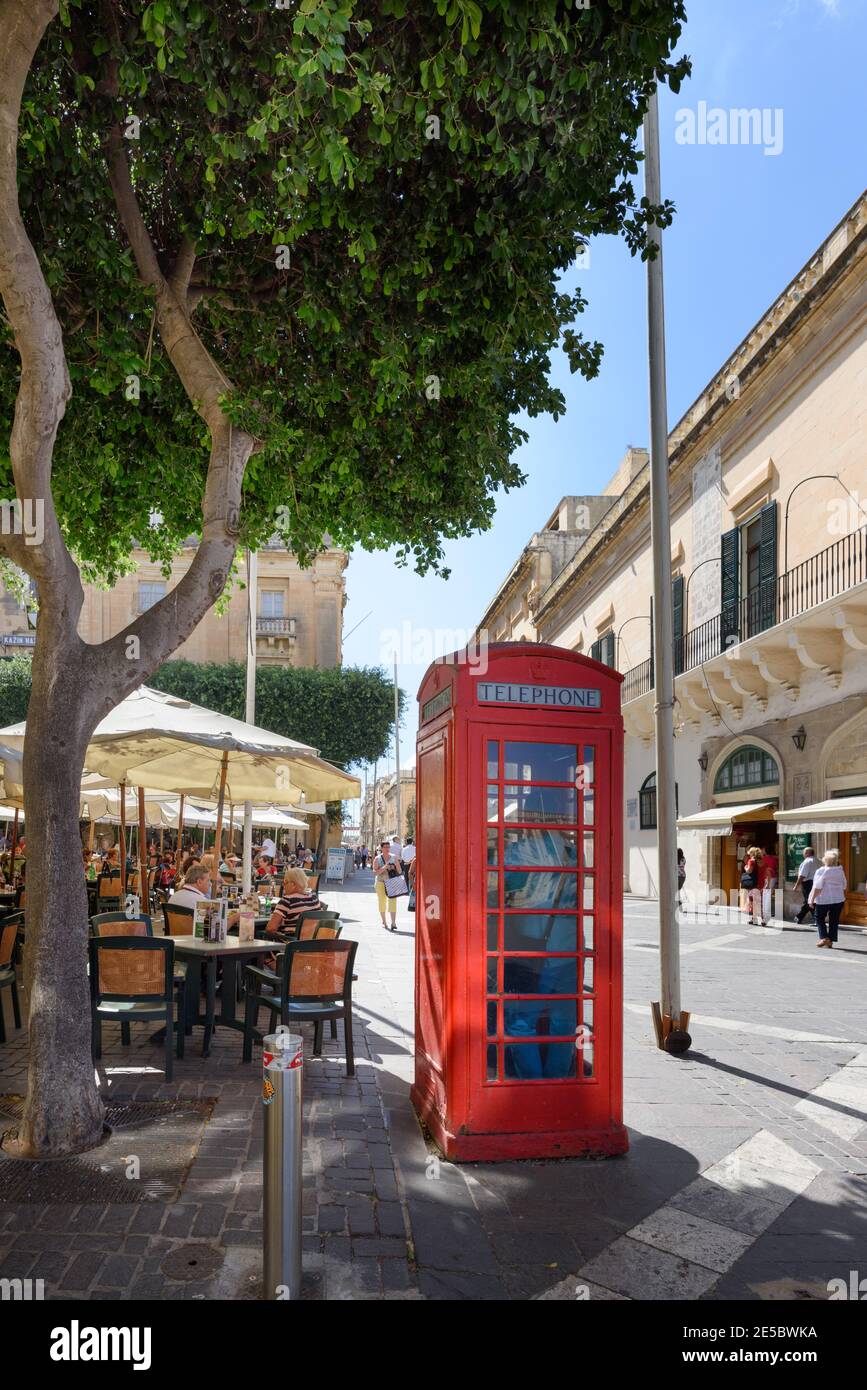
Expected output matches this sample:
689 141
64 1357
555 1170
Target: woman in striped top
296 900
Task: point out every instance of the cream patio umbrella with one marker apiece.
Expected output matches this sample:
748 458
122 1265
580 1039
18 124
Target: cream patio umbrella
163 743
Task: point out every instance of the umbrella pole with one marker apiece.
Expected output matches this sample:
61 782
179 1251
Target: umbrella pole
142 849
231 849
122 790
14 847
90 834
181 828
224 768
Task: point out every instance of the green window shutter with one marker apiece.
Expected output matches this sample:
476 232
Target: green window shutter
677 613
608 647
596 650
730 554
768 567
652 667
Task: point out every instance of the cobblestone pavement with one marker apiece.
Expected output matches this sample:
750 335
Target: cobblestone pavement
746 1175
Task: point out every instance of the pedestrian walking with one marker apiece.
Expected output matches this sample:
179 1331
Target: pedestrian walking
384 868
768 881
750 873
407 856
828 895
806 872
681 873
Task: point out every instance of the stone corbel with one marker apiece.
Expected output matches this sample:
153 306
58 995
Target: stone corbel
818 651
779 670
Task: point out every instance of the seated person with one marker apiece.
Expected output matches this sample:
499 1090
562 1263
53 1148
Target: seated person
196 887
295 901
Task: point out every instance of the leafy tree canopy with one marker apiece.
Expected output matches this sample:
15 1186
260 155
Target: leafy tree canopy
380 196
346 712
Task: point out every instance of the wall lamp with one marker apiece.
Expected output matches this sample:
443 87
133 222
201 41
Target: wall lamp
799 738
702 761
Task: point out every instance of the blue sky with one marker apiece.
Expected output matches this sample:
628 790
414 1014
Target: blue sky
746 222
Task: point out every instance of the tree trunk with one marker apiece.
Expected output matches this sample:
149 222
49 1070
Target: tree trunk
64 1111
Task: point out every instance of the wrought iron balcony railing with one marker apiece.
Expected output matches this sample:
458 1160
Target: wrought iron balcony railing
823 576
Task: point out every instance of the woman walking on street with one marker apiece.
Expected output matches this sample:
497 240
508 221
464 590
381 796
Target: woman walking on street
750 878
768 882
828 895
382 869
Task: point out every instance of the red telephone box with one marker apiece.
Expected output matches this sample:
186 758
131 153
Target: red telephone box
518 1042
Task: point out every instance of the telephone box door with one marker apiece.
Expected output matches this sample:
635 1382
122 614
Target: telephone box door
539 949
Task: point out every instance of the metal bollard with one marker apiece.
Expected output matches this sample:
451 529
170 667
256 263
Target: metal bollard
282 1072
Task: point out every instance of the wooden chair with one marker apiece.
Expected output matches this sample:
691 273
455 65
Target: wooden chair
311 921
314 986
313 882
8 980
178 921
118 924
109 891
132 980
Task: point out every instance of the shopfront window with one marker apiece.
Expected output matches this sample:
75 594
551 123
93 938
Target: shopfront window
541 909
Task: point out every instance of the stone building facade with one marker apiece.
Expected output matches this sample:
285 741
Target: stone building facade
299 612
768 554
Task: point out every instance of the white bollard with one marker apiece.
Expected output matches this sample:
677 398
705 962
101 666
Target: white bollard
282 1072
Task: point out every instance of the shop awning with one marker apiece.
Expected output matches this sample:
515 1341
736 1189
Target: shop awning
840 813
720 819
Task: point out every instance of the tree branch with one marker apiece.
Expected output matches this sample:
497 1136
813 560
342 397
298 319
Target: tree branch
44 386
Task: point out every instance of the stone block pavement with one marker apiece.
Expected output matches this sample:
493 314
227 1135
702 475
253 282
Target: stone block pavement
746 1176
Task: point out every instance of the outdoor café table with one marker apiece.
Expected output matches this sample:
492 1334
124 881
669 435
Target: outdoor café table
198 952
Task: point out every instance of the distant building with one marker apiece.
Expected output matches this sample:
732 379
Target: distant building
299 612
379 808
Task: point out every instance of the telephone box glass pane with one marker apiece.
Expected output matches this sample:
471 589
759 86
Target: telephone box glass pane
587 1014
540 975
539 762
493 846
540 805
587 982
493 889
492 975
492 1020
588 893
493 759
547 1018
588 851
588 934
493 934
493 803
539 890
539 847
539 931
539 1061
585 1059
492 1063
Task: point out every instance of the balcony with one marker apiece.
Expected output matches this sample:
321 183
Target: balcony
805 622
275 627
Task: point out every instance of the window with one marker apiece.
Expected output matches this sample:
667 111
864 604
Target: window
748 767
749 577
271 603
647 802
603 650
150 591
541 904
